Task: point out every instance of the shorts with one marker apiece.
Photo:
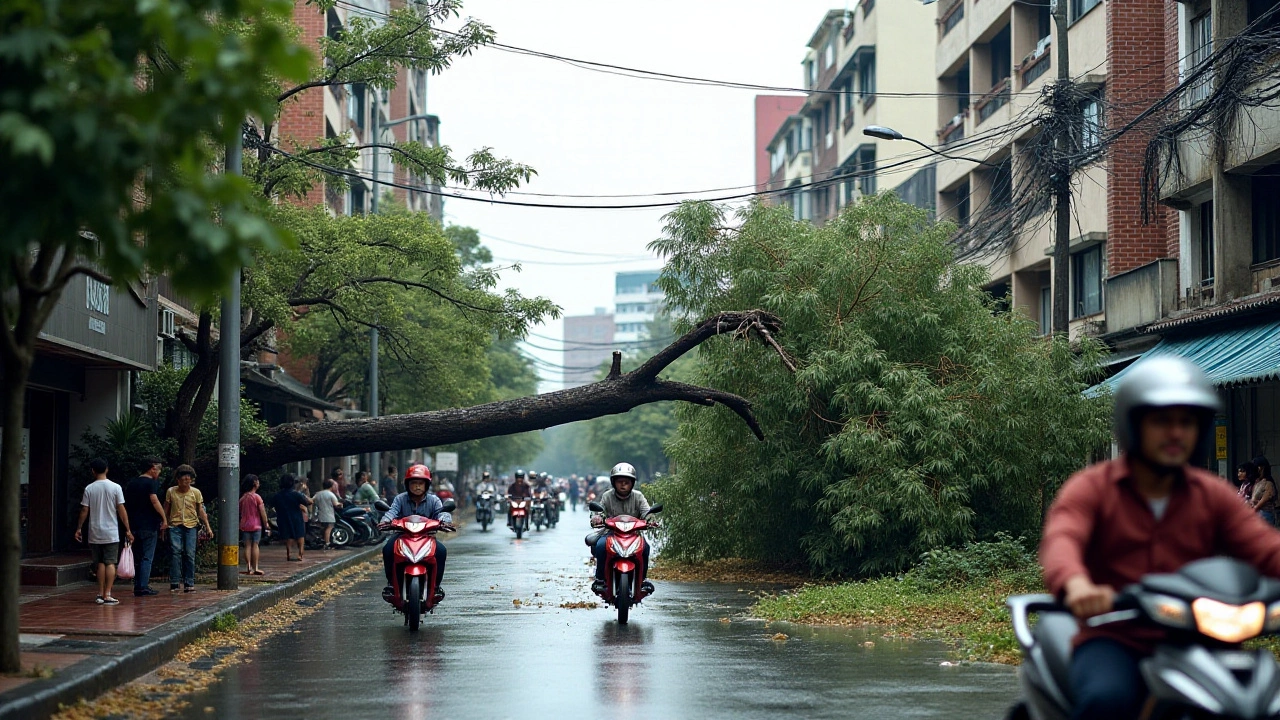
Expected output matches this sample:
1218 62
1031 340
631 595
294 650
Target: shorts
105 553
250 536
328 525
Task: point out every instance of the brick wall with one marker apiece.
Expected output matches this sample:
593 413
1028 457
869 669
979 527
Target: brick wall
1135 78
1172 219
302 116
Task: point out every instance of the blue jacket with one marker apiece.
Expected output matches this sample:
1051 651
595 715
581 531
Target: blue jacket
430 507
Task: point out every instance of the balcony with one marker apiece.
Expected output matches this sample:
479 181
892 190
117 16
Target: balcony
953 130
951 17
997 98
1036 64
1142 295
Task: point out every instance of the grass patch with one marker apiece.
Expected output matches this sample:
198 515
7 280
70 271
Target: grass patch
224 622
730 570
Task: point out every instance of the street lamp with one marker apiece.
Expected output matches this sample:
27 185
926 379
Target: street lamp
888 133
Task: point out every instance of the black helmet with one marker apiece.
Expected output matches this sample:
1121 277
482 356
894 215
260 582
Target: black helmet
519 473
1162 382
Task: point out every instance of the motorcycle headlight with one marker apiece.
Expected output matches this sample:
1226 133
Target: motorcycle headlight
414 527
1228 623
1167 610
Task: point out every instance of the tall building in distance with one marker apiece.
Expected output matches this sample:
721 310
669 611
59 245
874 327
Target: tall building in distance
588 344
636 301
771 112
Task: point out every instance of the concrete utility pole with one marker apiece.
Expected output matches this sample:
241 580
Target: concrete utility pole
229 417
1062 178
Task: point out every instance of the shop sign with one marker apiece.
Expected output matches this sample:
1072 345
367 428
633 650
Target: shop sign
24 467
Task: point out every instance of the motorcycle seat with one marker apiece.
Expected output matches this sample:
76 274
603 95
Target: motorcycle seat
1054 634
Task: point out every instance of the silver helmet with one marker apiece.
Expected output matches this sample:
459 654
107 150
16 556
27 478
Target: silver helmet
622 470
1161 382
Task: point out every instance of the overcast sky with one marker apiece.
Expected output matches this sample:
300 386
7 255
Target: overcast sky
593 133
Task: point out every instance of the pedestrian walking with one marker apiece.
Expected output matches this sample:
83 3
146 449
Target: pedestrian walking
101 506
291 526
253 523
1244 481
184 507
142 501
387 486
325 502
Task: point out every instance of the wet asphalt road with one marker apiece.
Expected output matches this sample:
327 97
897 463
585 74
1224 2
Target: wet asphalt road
481 656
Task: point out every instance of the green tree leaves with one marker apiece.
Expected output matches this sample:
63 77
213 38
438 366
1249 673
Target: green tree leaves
919 417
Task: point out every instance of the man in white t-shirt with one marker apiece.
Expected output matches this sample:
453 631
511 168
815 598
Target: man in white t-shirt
103 503
326 500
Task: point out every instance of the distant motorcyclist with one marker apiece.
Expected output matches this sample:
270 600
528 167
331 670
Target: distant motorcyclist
485 486
574 492
621 499
519 489
415 500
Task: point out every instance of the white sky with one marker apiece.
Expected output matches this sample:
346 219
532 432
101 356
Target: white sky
588 132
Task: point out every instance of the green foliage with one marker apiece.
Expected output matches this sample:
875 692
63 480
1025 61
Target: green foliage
225 621
921 417
1004 558
510 375
108 102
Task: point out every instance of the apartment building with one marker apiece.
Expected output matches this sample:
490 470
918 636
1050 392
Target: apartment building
1209 289
588 345
771 112
347 111
637 299
862 68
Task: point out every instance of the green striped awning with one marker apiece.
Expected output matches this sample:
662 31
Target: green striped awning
1239 356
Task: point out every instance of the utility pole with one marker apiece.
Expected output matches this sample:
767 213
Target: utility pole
1062 176
229 415
376 123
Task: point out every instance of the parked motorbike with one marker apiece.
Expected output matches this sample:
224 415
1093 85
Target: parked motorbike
518 515
1209 607
364 524
484 510
624 567
413 566
341 535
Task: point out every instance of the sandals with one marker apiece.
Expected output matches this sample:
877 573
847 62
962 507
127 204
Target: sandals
256 572
108 600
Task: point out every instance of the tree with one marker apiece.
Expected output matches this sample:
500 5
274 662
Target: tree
109 119
919 415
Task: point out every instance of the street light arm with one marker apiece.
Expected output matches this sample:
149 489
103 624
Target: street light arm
391 123
887 133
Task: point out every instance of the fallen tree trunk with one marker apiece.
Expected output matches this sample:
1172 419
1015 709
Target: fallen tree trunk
617 393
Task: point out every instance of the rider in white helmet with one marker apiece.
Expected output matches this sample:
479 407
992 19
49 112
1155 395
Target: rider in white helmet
622 499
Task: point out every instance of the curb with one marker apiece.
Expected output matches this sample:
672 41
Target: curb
96 675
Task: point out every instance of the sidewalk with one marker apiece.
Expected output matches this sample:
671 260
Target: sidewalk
74 648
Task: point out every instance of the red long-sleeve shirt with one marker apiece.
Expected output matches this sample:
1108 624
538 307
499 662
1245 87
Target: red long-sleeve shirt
1101 526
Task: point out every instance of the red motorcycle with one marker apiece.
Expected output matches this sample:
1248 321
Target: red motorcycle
624 568
413 569
519 515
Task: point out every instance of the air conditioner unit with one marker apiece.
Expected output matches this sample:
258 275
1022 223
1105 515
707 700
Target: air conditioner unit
168 323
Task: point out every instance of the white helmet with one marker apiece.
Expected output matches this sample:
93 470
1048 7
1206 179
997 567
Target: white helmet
622 470
1164 382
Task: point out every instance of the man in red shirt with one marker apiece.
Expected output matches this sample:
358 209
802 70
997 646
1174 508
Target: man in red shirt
1149 511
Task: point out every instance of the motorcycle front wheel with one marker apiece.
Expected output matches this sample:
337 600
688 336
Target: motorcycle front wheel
413 603
623 598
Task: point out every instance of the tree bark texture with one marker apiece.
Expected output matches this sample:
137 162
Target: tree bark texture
617 393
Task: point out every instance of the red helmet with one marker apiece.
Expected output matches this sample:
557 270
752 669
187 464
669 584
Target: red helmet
417 472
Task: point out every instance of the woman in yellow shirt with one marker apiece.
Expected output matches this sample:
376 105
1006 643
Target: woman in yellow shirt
184 508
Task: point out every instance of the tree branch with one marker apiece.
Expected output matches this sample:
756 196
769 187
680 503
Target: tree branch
617 394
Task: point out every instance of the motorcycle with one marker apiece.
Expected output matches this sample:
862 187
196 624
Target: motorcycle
413 567
484 510
364 524
1208 607
538 515
340 536
624 567
518 515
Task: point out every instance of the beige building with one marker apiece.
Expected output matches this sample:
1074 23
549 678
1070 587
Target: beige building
993 61
820 152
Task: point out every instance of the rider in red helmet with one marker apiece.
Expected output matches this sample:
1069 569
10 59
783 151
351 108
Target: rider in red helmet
416 501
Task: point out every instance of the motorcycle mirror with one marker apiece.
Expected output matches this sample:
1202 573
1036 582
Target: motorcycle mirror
654 510
595 506
381 506
450 505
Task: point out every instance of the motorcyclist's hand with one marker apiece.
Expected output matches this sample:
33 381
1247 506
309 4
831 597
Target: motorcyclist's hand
384 525
1086 599
597 521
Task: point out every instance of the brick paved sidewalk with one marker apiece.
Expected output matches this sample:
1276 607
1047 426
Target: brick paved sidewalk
62 626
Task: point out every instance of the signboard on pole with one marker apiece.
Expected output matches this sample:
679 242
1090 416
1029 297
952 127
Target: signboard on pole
446 462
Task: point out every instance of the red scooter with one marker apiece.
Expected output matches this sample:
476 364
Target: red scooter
413 569
519 511
624 568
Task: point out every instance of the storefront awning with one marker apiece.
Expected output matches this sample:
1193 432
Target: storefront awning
1229 357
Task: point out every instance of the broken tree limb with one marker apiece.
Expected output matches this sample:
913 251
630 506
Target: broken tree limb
617 393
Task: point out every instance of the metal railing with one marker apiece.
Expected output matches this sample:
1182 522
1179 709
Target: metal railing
997 98
951 17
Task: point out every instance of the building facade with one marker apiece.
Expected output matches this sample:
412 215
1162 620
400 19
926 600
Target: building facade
819 152
636 302
588 345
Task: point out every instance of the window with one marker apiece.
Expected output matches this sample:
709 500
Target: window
802 206
1046 310
867 77
806 135
355 104
1199 48
829 112
1000 195
1078 8
811 72
1086 282
1257 8
1266 215
1001 56
867 170
1091 123
829 53
820 199
1206 244
1044 21
356 206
